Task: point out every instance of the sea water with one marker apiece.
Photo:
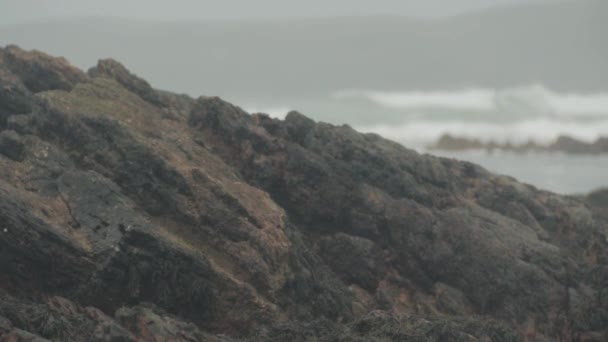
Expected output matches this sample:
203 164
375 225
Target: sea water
557 172
515 115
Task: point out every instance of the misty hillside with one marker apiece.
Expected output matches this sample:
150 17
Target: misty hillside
561 45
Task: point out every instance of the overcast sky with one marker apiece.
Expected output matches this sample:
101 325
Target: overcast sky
17 11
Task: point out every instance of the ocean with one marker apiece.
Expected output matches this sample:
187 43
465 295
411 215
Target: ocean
514 115
502 75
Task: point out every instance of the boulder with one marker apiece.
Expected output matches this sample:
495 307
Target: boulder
11 145
129 219
39 71
111 68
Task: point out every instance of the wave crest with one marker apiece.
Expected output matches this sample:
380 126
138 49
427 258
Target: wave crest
534 100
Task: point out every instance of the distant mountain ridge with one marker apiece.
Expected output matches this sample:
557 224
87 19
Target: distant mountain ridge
561 45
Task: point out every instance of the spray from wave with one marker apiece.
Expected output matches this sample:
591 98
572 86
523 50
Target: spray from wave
534 100
514 115
276 112
418 119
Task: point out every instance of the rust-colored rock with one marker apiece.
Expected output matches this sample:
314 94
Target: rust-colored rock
39 71
127 219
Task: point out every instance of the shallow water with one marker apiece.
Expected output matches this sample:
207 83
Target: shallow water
517 115
557 172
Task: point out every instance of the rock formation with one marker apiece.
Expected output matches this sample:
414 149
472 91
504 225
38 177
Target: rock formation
131 214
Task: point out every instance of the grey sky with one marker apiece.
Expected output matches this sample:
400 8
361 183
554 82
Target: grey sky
16 11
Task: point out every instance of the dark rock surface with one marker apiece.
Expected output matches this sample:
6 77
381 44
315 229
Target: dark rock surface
39 71
131 214
599 201
11 145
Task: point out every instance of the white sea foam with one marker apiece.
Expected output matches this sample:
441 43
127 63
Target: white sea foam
420 133
473 99
533 99
272 111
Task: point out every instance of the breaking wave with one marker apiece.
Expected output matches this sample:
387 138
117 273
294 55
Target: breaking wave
534 99
274 112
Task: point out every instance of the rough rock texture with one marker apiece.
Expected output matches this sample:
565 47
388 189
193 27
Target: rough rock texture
112 69
599 201
39 71
131 214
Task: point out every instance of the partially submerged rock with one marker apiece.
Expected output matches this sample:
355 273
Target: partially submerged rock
564 144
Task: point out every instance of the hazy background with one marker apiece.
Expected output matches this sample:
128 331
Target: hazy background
17 11
495 70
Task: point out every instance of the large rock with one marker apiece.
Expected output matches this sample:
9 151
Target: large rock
436 221
112 69
39 71
128 219
599 201
14 99
11 145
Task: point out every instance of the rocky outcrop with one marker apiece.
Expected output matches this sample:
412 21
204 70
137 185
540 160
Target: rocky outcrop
563 144
112 69
124 218
599 201
39 71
